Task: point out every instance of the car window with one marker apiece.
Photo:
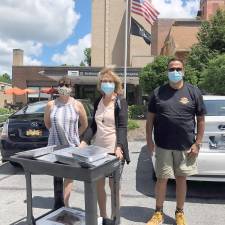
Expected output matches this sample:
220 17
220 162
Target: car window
88 107
215 107
33 108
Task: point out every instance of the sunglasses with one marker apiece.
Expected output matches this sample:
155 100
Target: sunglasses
62 85
173 69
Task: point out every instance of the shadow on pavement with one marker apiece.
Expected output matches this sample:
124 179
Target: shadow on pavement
141 214
23 220
144 181
197 190
43 202
20 222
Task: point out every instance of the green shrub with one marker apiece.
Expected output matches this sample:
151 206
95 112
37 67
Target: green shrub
6 111
4 114
3 118
136 111
132 124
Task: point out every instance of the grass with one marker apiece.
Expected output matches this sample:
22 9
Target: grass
132 124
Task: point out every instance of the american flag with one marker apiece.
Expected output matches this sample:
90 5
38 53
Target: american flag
145 8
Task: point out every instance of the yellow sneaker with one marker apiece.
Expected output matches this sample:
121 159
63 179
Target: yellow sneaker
156 219
180 219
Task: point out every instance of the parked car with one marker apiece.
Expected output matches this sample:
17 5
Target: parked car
211 159
25 129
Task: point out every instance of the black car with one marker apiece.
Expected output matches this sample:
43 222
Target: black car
25 129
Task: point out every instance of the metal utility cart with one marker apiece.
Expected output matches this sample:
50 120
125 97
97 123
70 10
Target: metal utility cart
89 176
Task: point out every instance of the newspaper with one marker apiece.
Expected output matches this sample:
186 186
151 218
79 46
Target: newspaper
65 216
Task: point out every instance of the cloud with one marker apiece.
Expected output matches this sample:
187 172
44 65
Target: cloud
30 61
31 49
176 8
31 25
48 21
73 54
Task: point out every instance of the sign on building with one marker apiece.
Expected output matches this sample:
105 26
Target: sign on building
73 73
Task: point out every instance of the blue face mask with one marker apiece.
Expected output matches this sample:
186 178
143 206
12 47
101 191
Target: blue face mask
175 76
107 88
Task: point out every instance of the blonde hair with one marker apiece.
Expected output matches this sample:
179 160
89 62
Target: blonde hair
65 80
116 79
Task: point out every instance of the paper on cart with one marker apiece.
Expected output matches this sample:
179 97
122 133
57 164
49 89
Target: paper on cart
65 216
36 152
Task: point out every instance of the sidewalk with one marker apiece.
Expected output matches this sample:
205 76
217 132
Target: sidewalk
137 202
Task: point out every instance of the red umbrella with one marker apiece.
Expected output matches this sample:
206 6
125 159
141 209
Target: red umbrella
48 90
15 91
18 91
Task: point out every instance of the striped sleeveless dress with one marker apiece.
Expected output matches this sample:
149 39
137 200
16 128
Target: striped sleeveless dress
64 124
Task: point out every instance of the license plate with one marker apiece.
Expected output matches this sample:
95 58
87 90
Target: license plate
33 133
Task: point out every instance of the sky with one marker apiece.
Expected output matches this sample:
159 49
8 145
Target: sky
56 32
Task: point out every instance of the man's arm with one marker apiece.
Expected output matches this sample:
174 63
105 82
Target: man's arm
194 150
149 129
200 129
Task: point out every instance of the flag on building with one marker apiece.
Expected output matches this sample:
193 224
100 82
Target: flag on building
145 8
138 30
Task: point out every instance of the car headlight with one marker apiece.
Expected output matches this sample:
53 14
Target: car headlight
5 129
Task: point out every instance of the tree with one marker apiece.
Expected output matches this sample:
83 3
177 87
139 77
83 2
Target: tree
5 78
154 74
82 63
214 76
211 43
87 56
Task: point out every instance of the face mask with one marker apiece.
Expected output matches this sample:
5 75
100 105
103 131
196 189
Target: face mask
65 91
175 76
107 88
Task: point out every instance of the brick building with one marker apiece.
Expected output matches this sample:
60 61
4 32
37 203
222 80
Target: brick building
176 36
4 99
84 80
180 45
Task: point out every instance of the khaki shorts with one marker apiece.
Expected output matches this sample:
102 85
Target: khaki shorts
171 163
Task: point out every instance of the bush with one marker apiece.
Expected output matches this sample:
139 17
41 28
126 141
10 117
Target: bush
137 111
3 118
4 114
5 111
132 124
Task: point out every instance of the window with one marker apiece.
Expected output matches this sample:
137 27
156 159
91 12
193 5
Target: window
215 107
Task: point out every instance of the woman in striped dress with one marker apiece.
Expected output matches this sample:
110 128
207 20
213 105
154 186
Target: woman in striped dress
61 118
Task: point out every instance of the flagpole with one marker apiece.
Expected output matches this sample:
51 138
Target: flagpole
125 53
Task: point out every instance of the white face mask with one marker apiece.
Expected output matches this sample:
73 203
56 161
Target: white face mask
65 91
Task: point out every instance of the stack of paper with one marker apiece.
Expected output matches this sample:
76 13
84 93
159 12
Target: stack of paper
90 153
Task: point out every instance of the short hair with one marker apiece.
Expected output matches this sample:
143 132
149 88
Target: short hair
175 59
116 79
65 80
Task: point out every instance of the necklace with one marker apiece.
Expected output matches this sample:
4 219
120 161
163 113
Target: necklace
103 116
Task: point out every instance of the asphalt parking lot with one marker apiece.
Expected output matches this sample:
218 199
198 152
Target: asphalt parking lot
205 203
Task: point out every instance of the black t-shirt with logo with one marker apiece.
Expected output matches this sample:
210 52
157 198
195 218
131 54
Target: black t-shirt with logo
175 111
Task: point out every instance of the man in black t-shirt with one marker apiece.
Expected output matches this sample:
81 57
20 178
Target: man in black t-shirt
172 111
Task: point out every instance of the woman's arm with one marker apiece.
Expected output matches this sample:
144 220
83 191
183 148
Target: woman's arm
47 114
122 119
82 118
91 130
